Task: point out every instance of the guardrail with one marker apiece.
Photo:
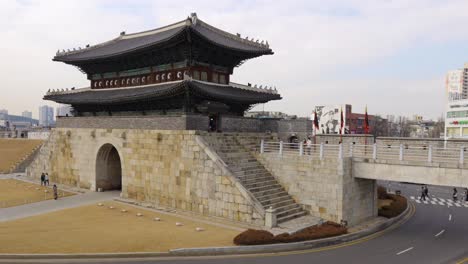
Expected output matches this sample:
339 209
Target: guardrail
402 152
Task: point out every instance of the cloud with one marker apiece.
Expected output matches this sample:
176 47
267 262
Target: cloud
315 42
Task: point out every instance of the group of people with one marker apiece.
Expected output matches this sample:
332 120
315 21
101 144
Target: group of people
45 182
425 194
455 195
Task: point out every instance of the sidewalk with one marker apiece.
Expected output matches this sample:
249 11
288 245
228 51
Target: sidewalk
12 213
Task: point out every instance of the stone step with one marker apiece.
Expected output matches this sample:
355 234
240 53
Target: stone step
278 203
290 211
257 185
248 171
272 195
283 196
256 178
265 187
286 207
269 190
290 216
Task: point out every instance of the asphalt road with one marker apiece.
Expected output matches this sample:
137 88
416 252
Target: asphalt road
435 234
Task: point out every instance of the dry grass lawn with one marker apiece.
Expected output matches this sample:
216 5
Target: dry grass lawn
94 228
14 150
14 192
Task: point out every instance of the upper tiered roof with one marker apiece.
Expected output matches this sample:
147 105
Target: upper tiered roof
191 32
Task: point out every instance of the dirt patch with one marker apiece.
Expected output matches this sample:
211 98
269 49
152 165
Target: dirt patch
96 228
14 192
13 151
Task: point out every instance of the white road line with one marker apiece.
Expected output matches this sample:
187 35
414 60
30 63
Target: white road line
458 205
433 202
425 202
450 217
406 250
440 233
417 201
441 203
412 197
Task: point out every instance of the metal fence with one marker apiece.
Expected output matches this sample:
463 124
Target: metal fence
429 154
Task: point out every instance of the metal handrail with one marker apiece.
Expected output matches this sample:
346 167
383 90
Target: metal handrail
374 151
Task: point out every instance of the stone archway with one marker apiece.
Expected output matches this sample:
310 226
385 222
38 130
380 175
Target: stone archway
108 168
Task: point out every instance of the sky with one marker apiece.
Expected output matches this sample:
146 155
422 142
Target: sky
391 55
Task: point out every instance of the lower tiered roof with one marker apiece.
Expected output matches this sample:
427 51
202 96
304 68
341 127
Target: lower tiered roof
233 92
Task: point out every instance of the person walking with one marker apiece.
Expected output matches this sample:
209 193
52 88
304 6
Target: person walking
455 194
42 179
309 145
55 192
466 194
426 191
46 179
423 194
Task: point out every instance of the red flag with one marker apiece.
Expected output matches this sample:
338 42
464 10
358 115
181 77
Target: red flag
366 122
316 121
342 121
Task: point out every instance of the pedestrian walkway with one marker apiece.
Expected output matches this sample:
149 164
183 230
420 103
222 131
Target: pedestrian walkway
440 201
12 213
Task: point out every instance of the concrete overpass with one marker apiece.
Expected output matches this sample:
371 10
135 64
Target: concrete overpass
422 164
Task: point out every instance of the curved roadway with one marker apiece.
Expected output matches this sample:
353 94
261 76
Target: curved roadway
435 234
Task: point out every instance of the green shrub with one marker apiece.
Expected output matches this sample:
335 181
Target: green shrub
258 237
397 207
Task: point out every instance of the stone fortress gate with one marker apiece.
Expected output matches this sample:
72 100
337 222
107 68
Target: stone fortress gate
162 122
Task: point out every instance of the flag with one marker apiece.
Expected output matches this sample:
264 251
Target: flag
366 122
316 121
342 121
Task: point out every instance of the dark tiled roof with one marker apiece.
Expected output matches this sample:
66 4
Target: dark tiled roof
138 41
162 90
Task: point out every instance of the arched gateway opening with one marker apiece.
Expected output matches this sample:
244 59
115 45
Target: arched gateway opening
108 168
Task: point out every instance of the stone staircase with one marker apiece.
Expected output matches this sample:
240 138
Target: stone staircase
235 150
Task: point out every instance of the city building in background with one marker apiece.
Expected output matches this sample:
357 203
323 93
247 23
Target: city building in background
3 114
456 119
329 117
456 84
27 114
64 110
269 114
46 116
456 114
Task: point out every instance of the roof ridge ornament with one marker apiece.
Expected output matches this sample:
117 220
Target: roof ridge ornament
194 18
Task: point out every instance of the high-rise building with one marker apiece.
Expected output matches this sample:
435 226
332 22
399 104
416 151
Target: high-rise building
27 114
3 114
46 115
64 110
456 84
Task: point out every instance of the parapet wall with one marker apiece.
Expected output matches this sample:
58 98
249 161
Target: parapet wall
169 168
326 188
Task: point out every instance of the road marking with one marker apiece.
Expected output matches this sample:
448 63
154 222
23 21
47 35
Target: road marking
440 233
412 197
406 250
450 217
458 205
425 202
441 203
417 201
433 202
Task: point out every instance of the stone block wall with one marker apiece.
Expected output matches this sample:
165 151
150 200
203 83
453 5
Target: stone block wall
170 168
326 188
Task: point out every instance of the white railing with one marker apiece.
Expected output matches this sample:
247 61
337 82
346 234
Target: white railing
429 154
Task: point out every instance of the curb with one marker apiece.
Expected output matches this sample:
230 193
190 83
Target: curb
297 246
233 250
